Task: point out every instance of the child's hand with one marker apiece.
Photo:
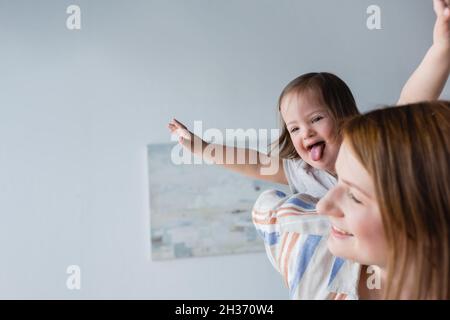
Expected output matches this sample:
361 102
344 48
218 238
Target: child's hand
428 81
186 138
441 35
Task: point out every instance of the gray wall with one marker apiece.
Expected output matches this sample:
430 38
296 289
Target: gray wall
77 109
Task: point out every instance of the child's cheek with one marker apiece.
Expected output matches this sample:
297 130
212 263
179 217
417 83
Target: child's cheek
298 144
332 131
327 128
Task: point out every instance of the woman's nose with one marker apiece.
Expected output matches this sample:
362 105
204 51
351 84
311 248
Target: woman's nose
329 204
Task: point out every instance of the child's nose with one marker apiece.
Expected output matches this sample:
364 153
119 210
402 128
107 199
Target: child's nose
308 133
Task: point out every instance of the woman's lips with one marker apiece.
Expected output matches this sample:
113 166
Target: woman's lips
339 233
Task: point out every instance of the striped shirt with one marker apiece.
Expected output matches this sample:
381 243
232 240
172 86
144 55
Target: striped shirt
295 238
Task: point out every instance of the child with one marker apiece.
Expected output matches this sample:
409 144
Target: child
317 101
312 108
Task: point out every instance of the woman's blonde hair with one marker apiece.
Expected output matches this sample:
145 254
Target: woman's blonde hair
329 90
406 150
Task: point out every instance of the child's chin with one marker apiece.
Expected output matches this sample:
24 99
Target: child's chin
314 164
320 164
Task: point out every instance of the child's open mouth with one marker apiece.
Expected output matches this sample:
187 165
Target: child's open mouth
316 150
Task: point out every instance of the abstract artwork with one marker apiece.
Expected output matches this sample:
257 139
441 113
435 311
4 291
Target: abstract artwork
199 209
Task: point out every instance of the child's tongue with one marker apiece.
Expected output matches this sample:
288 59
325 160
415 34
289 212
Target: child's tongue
316 151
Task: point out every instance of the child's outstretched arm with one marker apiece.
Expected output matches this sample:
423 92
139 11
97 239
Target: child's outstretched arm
261 167
428 81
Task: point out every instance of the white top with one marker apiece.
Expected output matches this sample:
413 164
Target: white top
303 178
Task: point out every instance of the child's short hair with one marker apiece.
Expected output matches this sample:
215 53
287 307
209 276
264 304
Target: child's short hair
330 90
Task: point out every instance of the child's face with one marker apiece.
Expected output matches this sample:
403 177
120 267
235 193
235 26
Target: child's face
312 130
357 230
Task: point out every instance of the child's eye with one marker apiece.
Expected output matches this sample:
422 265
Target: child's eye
316 119
294 129
352 196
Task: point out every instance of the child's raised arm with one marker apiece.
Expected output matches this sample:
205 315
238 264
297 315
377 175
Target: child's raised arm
428 81
261 167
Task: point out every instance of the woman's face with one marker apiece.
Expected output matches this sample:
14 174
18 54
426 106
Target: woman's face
357 229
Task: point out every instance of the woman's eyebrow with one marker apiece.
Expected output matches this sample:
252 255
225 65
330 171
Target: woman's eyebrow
356 187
